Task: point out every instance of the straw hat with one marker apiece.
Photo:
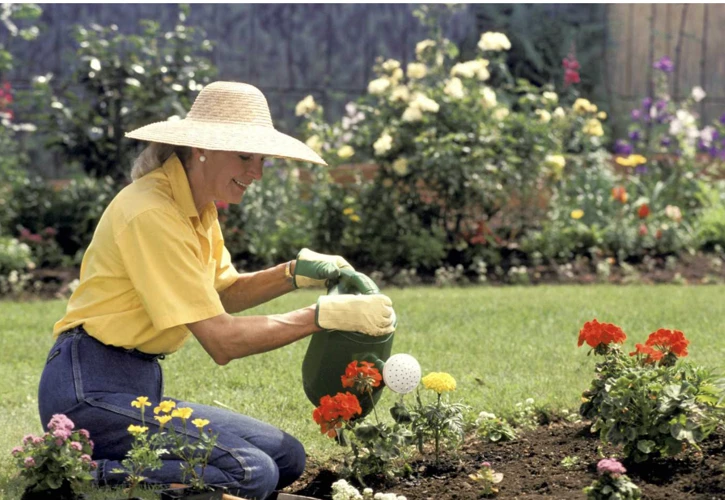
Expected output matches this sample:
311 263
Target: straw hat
228 116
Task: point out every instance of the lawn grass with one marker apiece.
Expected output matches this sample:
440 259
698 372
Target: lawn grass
502 345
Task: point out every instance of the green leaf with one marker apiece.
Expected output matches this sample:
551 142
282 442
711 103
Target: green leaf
646 446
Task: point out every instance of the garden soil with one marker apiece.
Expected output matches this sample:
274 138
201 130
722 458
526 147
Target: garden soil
532 468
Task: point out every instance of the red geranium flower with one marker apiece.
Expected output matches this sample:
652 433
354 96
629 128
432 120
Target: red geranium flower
673 341
595 333
362 377
334 410
643 211
651 353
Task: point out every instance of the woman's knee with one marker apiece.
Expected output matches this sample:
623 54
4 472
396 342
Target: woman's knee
292 463
261 476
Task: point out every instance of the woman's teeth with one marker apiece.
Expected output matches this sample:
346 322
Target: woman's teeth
240 184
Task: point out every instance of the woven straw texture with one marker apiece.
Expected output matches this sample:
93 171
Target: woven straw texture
229 116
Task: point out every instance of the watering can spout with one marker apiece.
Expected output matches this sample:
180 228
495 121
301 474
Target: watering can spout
330 351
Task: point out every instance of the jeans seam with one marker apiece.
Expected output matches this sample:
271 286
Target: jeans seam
75 361
188 432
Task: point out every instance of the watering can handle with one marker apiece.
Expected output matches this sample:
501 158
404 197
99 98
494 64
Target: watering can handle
353 282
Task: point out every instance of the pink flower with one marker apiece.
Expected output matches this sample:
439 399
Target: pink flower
610 466
85 458
59 442
60 421
93 464
16 450
29 462
38 440
90 443
486 464
29 438
76 446
62 434
84 433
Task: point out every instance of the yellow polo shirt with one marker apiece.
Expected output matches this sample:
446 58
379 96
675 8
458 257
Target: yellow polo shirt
153 266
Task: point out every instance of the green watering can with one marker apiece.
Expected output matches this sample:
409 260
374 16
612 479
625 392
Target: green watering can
330 351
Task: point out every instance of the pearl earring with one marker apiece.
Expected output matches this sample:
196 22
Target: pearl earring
202 158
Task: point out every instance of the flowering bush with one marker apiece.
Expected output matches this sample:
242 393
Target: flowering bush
59 459
649 402
15 260
612 483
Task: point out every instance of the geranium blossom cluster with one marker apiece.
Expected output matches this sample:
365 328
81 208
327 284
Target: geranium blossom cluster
334 410
662 343
362 376
595 334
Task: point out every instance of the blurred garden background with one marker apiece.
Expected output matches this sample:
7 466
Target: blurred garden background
467 143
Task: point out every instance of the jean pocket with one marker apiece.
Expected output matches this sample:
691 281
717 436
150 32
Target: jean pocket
54 353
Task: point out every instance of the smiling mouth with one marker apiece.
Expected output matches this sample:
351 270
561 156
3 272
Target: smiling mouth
240 184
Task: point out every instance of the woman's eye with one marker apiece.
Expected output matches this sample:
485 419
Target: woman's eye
245 158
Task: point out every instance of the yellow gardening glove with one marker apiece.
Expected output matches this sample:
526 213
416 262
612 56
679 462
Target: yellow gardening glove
369 314
314 269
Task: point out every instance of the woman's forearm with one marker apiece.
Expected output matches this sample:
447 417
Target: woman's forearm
253 289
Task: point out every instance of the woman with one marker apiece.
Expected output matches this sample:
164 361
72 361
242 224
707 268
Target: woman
157 272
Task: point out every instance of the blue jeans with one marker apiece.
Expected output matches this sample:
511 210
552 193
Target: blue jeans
94 384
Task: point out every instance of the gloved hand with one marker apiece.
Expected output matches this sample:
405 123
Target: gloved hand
313 269
369 314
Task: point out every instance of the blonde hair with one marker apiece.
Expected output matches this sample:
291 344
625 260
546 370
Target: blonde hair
154 155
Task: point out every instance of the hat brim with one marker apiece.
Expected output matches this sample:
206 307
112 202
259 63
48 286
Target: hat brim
256 139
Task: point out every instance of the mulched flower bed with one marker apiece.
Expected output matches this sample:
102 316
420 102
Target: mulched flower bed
532 468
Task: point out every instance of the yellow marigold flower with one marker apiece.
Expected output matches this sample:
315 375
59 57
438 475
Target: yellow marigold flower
164 419
140 402
577 214
137 429
439 382
345 152
182 413
348 211
355 218
200 423
165 407
631 160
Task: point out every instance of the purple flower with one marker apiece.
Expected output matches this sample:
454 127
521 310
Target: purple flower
634 135
660 104
636 115
610 466
666 141
640 169
646 103
722 119
713 151
665 64
29 462
60 421
623 148
76 446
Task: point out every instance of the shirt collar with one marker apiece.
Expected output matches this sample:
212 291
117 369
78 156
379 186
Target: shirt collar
180 189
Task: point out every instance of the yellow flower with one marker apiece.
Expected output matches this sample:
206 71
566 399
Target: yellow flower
165 406
314 143
421 46
577 214
391 65
383 144
556 163
439 382
602 115
477 68
137 429
200 423
544 116
355 218
550 96
488 97
454 88
378 86
583 106
182 413
306 105
400 93
345 152
500 113
631 160
416 70
494 41
400 166
412 114
559 112
348 211
593 127
140 402
164 419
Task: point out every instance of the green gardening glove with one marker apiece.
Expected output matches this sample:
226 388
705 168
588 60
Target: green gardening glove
314 269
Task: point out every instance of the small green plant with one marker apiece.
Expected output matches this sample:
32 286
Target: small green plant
612 483
492 428
525 415
441 421
570 461
487 479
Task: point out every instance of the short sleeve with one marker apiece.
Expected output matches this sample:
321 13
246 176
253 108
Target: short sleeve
162 256
226 274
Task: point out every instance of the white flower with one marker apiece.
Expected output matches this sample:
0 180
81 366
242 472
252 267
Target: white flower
391 65
342 490
488 97
484 415
133 82
396 76
345 152
400 166
698 93
306 105
95 64
707 135
412 114
378 86
383 144
454 88
544 116
551 97
477 68
494 41
500 113
673 212
417 71
400 93
425 103
422 45
559 112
